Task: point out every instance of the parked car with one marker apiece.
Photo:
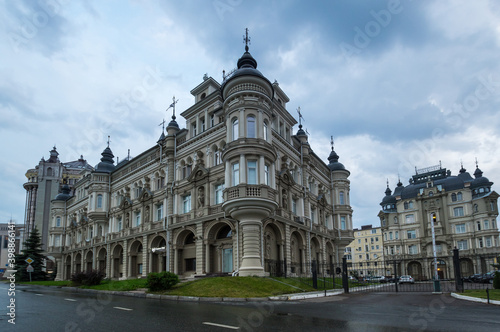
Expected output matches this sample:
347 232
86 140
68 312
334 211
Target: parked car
406 279
376 278
487 278
392 279
475 277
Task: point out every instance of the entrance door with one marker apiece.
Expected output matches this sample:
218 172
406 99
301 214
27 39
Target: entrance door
227 260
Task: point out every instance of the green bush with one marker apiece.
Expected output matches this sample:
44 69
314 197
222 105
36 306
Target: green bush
87 278
161 281
496 280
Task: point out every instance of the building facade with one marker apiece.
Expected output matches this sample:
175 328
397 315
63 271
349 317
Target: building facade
6 230
463 211
365 253
235 191
44 182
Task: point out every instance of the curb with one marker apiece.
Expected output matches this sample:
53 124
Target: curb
474 299
141 294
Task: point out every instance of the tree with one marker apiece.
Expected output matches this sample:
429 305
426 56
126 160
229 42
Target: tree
33 250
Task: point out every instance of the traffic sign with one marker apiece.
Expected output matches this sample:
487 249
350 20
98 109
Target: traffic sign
30 269
29 260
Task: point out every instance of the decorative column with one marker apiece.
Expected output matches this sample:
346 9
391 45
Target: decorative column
125 260
145 256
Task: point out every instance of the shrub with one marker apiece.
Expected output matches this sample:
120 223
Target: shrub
161 281
496 280
87 278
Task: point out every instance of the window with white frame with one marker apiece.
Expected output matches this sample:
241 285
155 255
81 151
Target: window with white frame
478 225
202 121
212 120
58 221
480 242
313 215
487 241
159 212
411 234
409 218
186 203
374 231
486 224
99 201
57 240
119 225
343 225
390 235
294 206
235 132
193 127
236 174
265 128
266 174
219 188
341 198
252 172
460 228
396 235
462 245
251 128
137 218
412 249
458 211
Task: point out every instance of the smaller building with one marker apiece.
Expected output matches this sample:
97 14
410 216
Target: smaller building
365 254
6 230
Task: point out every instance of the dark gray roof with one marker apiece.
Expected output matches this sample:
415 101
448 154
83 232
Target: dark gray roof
64 195
107 162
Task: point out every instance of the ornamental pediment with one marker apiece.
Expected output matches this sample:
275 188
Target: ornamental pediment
145 195
286 177
199 173
125 203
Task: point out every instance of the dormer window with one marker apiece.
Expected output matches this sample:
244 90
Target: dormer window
203 95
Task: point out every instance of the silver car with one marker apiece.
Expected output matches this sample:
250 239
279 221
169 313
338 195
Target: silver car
406 279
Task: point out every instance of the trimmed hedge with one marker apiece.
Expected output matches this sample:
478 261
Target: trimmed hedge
87 278
161 281
496 280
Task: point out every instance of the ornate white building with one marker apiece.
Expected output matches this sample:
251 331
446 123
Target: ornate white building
235 190
463 210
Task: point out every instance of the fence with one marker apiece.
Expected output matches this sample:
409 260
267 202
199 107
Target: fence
395 275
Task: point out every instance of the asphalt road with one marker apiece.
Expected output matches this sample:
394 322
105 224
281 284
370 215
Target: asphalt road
52 309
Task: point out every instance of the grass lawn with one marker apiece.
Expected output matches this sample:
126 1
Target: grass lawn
211 287
238 287
481 293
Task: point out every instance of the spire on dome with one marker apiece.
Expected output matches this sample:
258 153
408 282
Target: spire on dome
173 123
246 39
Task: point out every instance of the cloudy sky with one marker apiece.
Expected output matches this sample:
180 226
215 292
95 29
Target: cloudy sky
398 84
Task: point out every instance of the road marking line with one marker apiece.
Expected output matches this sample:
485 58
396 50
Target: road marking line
72 300
221 325
39 294
120 308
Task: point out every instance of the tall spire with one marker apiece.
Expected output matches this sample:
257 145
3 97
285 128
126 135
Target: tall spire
246 40
173 123
331 141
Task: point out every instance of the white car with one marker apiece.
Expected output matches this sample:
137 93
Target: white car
406 279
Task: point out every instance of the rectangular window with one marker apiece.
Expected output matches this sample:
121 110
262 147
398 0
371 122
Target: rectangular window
58 222
341 198
218 193
410 218
266 175
486 224
137 218
411 234
202 125
487 241
294 206
396 235
412 250
159 212
460 228
313 215
236 174
119 225
186 203
480 242
194 129
252 172
458 211
99 201
57 240
377 246
212 120
390 235
462 245
343 225
374 231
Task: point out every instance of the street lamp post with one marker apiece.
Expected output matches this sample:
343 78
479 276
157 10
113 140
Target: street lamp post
437 286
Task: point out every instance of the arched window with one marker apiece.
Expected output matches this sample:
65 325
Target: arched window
459 196
453 197
99 201
235 129
224 233
49 171
251 132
